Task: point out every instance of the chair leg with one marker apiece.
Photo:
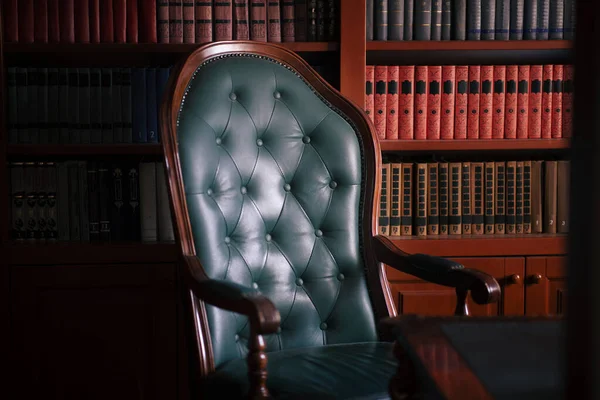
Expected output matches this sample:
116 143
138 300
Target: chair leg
257 368
403 385
462 309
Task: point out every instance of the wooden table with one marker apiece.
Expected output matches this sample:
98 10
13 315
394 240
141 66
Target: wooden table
478 357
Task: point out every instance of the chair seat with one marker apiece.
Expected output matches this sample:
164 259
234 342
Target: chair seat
343 371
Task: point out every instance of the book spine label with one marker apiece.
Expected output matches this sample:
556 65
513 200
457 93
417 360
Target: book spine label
567 105
406 220
557 101
510 124
447 102
523 102
189 29
467 198
421 77
395 198
461 102
486 102
444 200
473 101
380 100
490 198
422 20
204 21
396 20
162 21
391 127
433 219
499 102
516 19
421 200
241 22
547 89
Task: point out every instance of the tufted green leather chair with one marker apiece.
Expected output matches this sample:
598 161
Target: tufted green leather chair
273 177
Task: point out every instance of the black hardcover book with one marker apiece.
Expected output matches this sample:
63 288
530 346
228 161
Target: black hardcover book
569 19
459 19
381 19
117 184
488 19
530 20
557 12
131 195
446 19
516 19
436 20
422 28
409 8
370 19
543 15
396 20
474 20
502 25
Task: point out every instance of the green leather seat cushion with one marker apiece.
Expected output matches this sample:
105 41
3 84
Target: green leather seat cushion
342 371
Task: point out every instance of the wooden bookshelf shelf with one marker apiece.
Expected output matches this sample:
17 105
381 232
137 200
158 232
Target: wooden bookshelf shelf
477 144
83 150
469 45
66 253
484 245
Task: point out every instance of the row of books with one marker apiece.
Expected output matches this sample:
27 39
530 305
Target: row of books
89 201
470 19
160 21
462 198
84 105
470 102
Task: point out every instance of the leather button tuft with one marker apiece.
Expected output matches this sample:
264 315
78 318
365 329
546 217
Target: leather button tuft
244 190
287 187
268 237
218 140
277 95
227 239
237 338
254 285
341 277
306 139
323 326
299 282
209 191
319 233
333 184
259 142
232 96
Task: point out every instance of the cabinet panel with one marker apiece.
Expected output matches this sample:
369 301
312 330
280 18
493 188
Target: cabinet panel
546 285
95 331
414 296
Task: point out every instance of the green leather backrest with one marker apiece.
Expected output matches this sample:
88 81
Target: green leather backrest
272 178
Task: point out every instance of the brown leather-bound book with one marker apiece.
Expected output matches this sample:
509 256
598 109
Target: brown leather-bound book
223 14
11 20
204 21
147 22
384 201
489 197
500 213
189 29
273 21
547 89
41 22
107 31
406 219
476 183
511 179
120 20
433 220
519 198
162 21
468 197
26 21
536 197
369 91
82 21
132 20
288 29
391 124
421 102
241 23
176 21
454 189
396 197
550 195
527 197
499 102
421 199
486 102
94 8
443 191
258 25
67 21
300 14
562 214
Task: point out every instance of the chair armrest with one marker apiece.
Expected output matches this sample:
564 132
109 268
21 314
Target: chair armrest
262 313
484 287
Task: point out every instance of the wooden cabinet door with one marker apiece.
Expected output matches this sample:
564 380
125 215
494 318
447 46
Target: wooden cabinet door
545 285
414 296
94 331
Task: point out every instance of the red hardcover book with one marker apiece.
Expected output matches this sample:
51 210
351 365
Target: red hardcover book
434 101
288 32
369 90
26 21
189 30
258 24
557 100
568 102
535 102
273 21
204 20
162 21
379 100
391 125
448 102
499 101
53 21
461 101
67 21
511 108
223 20
473 103
486 102
176 21
120 20
241 23
82 21
107 31
132 20
40 33
547 88
94 17
147 22
421 102
523 102
11 20
406 102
